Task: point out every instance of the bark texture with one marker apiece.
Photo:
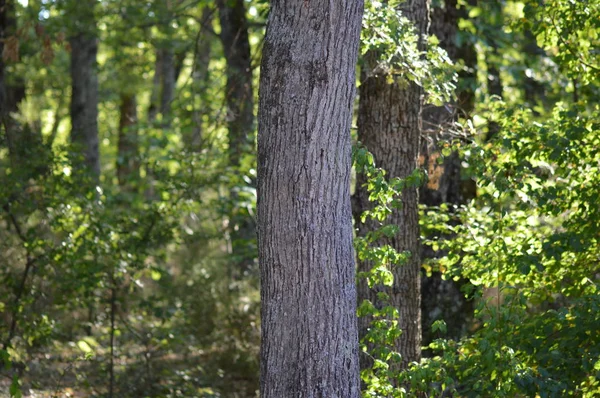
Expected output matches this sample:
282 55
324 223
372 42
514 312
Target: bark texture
390 125
309 326
84 80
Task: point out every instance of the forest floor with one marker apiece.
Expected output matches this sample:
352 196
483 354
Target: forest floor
163 375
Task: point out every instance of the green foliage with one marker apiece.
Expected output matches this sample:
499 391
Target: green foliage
150 253
570 31
529 243
391 37
379 341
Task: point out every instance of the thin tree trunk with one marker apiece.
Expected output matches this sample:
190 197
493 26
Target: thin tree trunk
84 96
494 80
240 115
163 86
308 294
163 93
238 94
12 91
127 156
200 76
168 85
156 87
4 34
389 125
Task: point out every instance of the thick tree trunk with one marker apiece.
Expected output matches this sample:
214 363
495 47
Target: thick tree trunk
127 156
389 125
309 327
84 96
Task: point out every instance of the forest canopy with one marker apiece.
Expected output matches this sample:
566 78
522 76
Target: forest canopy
392 199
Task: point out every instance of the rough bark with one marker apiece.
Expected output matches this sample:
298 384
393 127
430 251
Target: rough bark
442 299
127 156
84 80
309 327
389 125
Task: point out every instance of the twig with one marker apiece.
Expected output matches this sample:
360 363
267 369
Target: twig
57 119
113 299
20 289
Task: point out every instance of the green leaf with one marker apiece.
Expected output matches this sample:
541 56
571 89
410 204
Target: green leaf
15 388
440 326
84 346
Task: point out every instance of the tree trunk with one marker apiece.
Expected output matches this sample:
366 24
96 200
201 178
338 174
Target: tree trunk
201 77
156 87
20 141
84 96
238 95
389 125
240 123
127 161
168 85
163 86
309 327
163 93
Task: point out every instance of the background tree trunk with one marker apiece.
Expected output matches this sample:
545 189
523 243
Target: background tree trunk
238 95
240 123
200 75
163 86
23 142
389 125
128 148
442 299
169 80
84 97
155 96
308 293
